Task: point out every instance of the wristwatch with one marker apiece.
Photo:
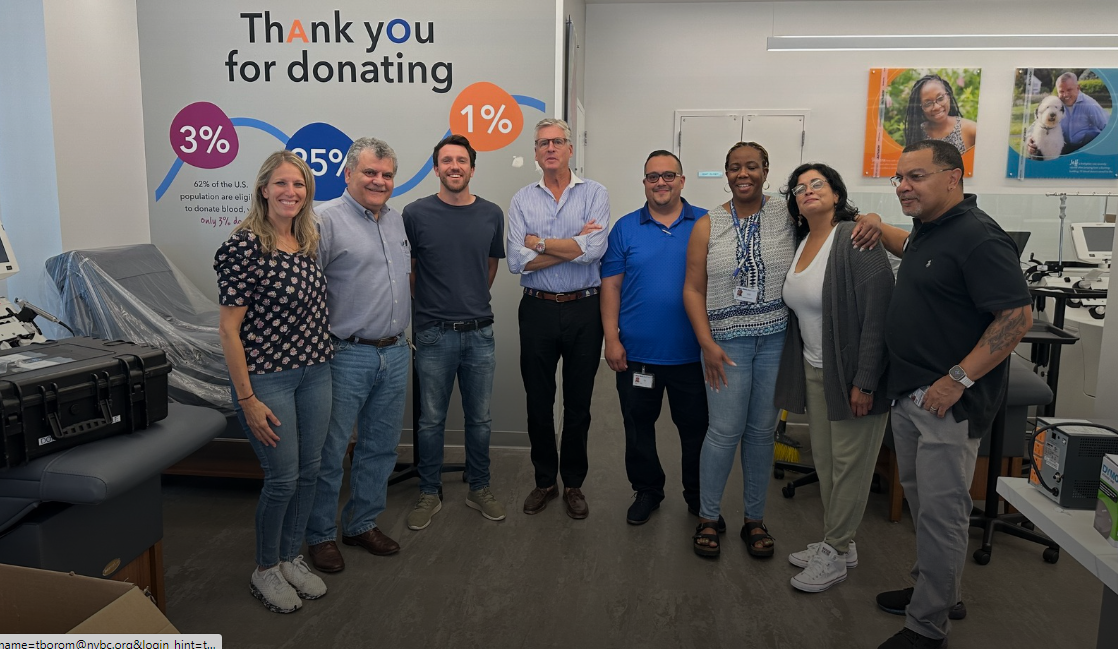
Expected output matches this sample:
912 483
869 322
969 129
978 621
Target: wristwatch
540 246
959 374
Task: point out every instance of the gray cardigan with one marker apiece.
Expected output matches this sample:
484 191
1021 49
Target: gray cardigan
857 286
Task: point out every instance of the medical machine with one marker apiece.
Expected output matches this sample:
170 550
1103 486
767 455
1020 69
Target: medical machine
1094 242
1066 459
17 321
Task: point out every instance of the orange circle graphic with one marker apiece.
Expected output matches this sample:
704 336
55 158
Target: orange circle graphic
487 115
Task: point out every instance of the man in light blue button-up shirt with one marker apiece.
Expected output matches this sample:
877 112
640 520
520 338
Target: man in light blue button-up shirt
556 239
364 253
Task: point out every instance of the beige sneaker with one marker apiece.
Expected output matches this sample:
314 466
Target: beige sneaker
273 591
427 506
485 502
306 584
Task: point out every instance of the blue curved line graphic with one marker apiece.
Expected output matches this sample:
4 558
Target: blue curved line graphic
263 126
249 122
523 100
530 102
236 121
171 173
419 175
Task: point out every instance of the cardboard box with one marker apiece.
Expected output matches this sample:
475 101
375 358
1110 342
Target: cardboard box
1106 511
41 601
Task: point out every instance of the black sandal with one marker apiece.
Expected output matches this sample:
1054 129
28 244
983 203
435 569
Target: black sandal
705 549
754 531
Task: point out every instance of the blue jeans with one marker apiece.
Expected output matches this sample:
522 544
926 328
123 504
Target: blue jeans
741 411
300 399
370 386
439 357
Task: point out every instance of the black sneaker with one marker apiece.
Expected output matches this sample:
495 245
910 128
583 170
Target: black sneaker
896 601
640 511
909 639
694 511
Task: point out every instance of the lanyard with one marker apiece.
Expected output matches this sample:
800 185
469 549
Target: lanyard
746 237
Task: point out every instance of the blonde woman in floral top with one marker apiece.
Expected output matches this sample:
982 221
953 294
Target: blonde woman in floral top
275 337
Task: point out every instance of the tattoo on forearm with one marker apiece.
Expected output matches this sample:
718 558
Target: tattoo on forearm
1005 331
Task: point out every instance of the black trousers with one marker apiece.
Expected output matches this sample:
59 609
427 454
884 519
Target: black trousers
550 331
640 408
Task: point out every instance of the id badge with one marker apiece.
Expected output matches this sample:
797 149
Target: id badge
642 380
747 295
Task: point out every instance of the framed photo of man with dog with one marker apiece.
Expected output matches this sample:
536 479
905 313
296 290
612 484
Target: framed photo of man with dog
907 105
1062 124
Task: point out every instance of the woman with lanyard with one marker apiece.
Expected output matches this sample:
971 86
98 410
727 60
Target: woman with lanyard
737 259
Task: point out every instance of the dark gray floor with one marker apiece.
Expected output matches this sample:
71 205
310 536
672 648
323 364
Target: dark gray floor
550 581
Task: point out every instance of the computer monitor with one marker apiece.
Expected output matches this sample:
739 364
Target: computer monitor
8 265
1020 239
1094 242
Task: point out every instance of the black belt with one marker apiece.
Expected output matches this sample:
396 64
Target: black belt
563 297
379 342
466 325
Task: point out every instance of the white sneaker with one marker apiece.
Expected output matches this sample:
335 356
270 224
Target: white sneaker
273 590
803 557
824 570
306 584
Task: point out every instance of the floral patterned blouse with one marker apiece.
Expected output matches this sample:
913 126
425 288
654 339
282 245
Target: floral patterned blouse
286 324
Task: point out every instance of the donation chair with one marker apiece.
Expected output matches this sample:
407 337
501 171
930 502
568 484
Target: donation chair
135 293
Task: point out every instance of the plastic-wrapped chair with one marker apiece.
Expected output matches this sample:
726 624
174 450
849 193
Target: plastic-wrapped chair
135 293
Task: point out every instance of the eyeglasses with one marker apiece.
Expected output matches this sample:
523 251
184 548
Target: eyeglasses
816 184
557 141
668 176
914 178
940 99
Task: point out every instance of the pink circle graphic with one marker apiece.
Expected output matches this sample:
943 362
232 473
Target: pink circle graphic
203 136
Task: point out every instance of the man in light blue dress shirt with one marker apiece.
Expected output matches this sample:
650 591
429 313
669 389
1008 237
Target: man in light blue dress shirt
365 255
556 238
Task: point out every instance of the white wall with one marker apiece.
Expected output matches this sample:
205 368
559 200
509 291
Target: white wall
28 192
645 61
94 65
71 140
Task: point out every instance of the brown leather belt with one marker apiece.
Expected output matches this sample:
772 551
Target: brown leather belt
379 342
563 297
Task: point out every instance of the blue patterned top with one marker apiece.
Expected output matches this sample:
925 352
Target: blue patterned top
756 253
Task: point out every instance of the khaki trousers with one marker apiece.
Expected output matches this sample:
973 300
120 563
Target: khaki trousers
844 453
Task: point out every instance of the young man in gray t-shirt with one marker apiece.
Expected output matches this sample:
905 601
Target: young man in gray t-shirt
456 239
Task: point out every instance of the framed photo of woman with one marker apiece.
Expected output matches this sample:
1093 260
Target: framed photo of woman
906 105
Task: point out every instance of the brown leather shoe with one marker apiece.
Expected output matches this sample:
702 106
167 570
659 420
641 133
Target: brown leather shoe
326 556
374 541
576 503
537 500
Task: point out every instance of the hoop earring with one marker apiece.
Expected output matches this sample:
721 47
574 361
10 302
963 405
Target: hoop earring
726 189
765 186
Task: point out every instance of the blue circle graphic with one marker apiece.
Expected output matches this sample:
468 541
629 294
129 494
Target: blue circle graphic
323 147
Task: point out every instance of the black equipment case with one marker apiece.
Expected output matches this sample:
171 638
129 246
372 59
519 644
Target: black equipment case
63 393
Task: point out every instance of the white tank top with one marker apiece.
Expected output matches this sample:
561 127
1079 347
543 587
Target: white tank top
803 293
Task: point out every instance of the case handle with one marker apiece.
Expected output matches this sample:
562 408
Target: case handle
51 403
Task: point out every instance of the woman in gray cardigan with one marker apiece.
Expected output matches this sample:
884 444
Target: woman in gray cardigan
834 362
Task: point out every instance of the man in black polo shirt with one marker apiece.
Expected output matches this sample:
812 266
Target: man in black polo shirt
456 241
960 307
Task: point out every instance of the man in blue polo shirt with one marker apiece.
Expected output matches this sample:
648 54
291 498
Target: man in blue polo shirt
649 340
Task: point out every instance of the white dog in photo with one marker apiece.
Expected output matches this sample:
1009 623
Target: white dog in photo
1046 135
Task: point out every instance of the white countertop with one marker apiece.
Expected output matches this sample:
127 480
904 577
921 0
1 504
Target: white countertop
1072 529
